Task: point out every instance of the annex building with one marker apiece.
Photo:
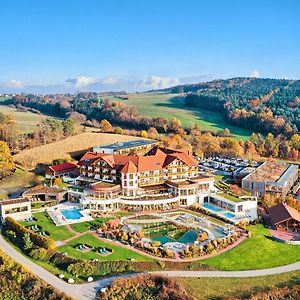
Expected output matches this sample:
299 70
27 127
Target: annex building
271 178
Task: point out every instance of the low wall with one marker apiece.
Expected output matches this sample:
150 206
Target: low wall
285 241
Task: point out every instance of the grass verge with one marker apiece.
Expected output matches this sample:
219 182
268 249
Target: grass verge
219 288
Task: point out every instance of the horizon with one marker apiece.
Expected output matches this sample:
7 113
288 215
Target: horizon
120 92
53 47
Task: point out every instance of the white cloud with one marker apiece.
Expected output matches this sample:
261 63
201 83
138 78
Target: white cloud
109 80
15 84
82 81
255 74
157 82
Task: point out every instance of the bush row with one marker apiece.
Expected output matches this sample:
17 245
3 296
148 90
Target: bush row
20 230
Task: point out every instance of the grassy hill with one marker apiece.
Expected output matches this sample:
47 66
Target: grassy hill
26 121
260 104
172 105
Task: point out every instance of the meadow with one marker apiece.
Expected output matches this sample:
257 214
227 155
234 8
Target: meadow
26 121
172 105
220 288
15 183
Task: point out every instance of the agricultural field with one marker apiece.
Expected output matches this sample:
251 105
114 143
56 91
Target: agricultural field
67 148
172 105
216 288
26 121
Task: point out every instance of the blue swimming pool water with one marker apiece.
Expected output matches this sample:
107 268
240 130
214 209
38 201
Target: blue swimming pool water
211 207
189 237
228 215
163 239
72 214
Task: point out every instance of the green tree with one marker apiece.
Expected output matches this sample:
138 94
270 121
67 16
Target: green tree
69 127
27 243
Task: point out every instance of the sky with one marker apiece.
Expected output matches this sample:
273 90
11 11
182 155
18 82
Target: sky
59 46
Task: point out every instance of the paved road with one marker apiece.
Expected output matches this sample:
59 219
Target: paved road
88 291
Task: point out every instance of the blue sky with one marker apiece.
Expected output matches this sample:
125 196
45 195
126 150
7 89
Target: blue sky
69 45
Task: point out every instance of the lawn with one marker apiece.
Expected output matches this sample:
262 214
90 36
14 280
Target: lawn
26 121
172 105
85 226
219 288
257 252
57 233
119 253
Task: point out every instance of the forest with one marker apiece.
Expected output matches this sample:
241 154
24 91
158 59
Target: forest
261 105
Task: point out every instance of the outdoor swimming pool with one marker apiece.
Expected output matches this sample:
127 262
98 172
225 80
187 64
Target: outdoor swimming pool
72 214
211 207
188 238
228 215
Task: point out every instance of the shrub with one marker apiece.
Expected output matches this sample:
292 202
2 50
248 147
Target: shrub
39 254
38 240
145 287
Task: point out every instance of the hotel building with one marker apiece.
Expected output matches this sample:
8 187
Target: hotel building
161 179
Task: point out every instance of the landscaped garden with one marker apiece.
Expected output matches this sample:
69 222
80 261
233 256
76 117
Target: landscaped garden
118 253
257 252
44 223
85 226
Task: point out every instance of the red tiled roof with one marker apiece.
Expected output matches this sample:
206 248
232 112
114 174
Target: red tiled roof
158 159
129 168
63 167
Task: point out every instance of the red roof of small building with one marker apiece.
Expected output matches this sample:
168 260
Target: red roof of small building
63 167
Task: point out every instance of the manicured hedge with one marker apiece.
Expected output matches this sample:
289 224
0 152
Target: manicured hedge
20 230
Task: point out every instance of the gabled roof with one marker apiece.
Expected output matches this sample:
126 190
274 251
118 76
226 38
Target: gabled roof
129 167
282 212
158 159
63 167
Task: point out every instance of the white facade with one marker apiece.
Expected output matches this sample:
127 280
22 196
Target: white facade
19 209
133 196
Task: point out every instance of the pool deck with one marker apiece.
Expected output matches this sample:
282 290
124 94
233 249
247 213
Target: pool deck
218 211
59 219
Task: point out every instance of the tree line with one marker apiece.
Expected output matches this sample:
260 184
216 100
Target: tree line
262 105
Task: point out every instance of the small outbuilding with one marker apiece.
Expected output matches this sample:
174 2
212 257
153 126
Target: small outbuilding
45 193
284 218
61 170
19 209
